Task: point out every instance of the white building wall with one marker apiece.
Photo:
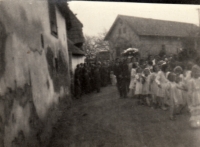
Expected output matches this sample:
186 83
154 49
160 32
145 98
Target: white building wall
26 63
77 60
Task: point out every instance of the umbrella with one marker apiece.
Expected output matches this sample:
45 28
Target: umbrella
161 62
130 51
133 50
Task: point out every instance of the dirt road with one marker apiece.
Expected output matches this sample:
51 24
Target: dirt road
104 120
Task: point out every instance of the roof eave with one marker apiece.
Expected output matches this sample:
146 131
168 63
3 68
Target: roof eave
78 54
165 36
63 8
108 34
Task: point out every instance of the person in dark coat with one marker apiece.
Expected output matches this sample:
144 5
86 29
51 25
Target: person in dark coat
125 77
128 73
81 78
105 75
77 84
86 78
101 72
86 81
117 73
108 74
92 78
97 79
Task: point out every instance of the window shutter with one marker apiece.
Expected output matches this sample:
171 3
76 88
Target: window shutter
52 17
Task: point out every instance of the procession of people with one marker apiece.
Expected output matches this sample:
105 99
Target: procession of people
157 82
162 83
90 78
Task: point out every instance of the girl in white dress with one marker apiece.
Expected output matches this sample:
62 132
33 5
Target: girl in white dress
113 78
180 86
146 86
154 86
133 81
171 91
138 85
161 80
187 78
194 94
168 76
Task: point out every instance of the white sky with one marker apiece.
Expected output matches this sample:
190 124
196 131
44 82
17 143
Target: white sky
97 16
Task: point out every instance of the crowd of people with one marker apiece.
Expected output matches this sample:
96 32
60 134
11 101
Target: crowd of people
161 83
90 77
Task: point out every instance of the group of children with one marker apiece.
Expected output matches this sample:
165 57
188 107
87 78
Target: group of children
161 86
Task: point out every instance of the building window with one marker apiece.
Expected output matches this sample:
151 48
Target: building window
52 17
124 30
42 41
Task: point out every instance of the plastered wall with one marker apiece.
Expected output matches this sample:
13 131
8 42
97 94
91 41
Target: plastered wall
30 84
148 45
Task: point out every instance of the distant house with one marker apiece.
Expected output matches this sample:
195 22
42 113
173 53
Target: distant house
150 36
75 41
103 56
77 56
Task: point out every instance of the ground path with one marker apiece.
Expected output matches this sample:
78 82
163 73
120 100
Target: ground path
104 120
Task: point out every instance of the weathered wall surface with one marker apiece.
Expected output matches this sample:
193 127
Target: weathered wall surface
153 45
31 83
148 45
77 60
122 37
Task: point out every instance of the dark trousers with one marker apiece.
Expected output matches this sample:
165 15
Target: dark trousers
119 86
77 91
98 85
122 87
127 84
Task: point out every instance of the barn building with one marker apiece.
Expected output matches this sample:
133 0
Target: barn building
150 36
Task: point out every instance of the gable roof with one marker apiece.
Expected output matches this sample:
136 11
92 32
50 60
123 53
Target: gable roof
75 33
74 26
155 27
75 50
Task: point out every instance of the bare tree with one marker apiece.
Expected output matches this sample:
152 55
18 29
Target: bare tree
94 44
89 45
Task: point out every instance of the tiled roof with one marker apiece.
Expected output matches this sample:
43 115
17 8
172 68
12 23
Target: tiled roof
75 33
154 27
75 50
74 26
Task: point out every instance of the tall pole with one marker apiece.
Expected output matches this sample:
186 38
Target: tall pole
199 16
197 38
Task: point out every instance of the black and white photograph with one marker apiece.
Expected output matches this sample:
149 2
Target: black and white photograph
99 74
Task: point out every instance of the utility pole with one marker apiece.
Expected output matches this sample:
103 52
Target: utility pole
198 35
199 17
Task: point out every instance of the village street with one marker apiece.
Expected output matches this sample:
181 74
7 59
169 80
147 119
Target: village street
104 120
